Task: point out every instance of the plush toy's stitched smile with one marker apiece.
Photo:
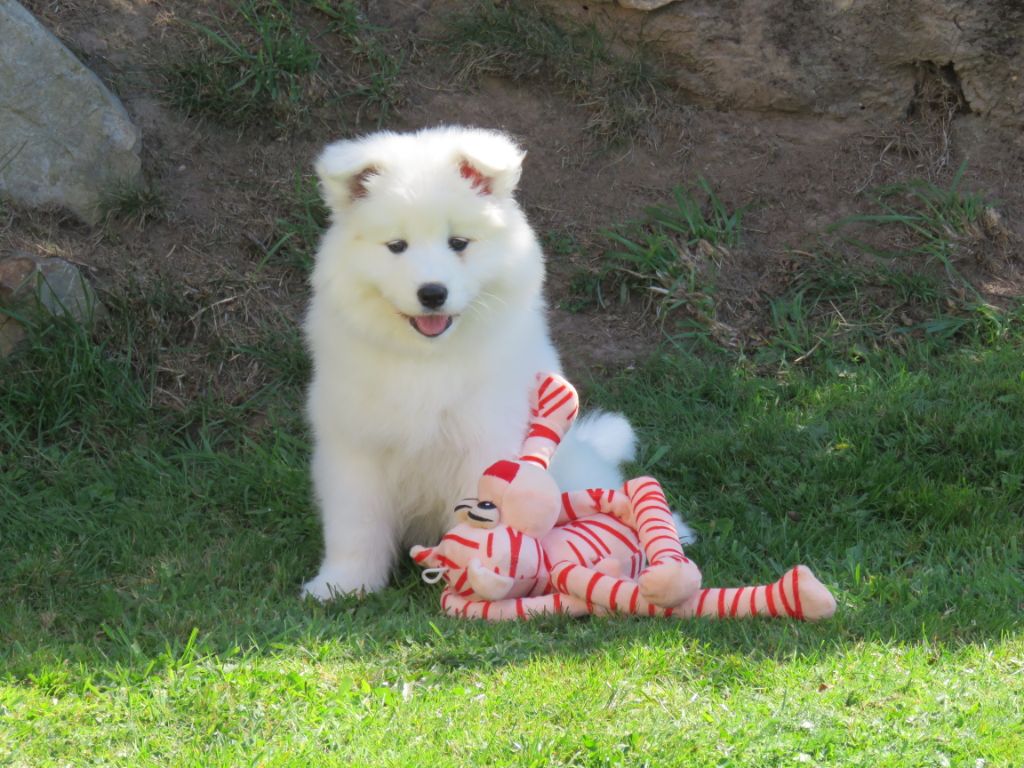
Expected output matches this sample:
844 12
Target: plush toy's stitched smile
431 326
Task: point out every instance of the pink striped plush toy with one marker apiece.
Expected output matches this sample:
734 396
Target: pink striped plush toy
523 548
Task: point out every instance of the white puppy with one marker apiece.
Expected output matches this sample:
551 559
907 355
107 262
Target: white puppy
427 326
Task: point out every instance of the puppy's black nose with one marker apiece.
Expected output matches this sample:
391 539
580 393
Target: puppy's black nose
432 295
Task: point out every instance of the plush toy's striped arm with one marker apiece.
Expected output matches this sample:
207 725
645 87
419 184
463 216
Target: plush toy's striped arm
553 408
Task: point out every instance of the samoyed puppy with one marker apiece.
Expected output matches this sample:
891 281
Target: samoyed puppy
427 326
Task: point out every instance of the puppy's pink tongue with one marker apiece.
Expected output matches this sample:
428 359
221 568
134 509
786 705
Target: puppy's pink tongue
432 325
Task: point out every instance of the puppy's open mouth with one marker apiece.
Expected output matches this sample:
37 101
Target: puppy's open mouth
431 326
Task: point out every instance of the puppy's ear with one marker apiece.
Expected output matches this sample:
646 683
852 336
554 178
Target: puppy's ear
490 162
345 170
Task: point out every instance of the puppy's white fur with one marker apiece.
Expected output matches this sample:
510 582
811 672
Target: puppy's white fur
403 423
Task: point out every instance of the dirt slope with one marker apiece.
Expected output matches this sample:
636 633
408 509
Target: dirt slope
205 269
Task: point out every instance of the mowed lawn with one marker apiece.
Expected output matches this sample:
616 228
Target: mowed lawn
150 562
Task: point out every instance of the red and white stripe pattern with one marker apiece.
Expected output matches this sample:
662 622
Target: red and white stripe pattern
653 521
577 504
797 595
527 561
553 409
601 591
462 607
593 561
592 539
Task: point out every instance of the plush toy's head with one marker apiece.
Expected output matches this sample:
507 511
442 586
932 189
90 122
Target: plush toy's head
515 499
518 494
521 494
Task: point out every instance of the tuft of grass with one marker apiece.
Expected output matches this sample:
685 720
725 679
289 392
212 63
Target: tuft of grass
695 220
937 223
138 205
559 243
259 66
376 88
521 42
297 234
672 255
277 60
585 292
904 278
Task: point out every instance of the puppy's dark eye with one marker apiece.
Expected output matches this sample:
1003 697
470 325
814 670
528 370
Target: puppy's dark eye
397 246
458 244
487 505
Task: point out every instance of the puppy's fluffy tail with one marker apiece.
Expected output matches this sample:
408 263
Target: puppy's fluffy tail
591 453
610 436
591 456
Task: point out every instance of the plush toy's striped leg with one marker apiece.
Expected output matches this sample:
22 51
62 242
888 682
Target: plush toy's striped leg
670 578
461 607
601 591
797 595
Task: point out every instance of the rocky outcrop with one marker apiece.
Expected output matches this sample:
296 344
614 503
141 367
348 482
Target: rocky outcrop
64 138
832 57
30 285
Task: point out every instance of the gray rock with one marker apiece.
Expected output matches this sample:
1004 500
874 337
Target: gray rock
33 284
64 138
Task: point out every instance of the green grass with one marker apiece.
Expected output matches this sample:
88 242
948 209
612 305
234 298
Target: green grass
374 60
297 234
273 62
896 274
936 223
886 280
133 204
150 561
260 67
670 259
519 41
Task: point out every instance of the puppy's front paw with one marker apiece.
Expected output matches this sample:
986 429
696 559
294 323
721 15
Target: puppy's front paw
332 582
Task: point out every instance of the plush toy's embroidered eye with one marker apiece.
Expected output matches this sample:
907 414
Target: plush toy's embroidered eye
458 244
479 514
397 246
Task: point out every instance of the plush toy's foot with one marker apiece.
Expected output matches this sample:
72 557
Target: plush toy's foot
670 583
487 584
816 602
